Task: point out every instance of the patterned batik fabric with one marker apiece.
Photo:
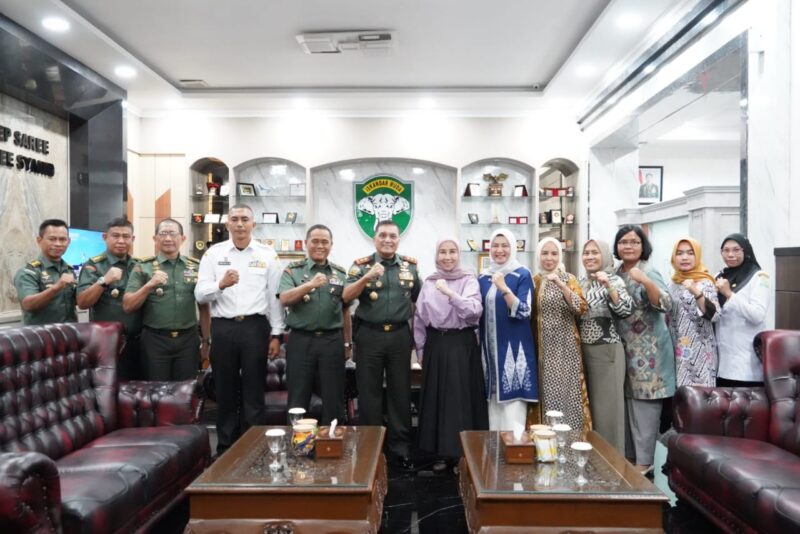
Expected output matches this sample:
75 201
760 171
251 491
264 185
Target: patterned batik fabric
693 335
597 326
563 385
650 359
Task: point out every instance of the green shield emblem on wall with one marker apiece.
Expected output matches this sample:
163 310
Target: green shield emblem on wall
383 197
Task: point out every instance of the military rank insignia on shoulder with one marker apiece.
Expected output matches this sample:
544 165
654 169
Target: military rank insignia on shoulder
98 258
296 264
147 259
35 263
191 259
337 268
363 261
409 259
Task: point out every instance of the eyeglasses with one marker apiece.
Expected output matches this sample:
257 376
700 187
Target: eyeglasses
631 243
165 233
736 250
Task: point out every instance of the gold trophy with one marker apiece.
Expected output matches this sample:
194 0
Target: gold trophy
495 183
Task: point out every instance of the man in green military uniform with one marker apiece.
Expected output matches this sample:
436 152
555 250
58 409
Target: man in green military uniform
101 287
312 290
163 287
386 285
46 285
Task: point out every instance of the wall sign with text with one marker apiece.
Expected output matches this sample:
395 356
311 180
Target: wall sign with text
22 162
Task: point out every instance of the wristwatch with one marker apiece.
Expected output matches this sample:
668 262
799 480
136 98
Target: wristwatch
102 281
348 345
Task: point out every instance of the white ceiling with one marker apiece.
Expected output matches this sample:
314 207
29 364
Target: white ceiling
469 57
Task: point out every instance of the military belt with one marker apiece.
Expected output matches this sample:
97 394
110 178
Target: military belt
384 327
171 333
316 333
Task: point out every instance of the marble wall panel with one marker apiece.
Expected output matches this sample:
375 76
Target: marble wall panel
27 199
435 190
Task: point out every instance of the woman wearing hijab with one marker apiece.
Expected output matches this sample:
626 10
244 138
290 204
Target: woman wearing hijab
650 358
603 353
694 307
744 294
509 357
451 399
559 300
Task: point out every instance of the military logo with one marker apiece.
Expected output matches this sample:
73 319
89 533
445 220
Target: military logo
383 197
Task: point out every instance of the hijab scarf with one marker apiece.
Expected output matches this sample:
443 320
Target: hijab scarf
606 261
454 274
739 276
511 264
559 266
699 272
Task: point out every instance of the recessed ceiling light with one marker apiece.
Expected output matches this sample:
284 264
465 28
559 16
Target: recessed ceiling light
124 71
585 71
628 21
649 68
55 24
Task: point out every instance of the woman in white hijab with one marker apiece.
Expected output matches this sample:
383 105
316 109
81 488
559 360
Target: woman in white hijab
507 348
559 301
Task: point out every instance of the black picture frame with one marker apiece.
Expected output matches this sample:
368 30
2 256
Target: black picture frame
651 184
246 190
269 217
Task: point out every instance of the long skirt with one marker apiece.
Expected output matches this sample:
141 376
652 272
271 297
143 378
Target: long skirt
452 398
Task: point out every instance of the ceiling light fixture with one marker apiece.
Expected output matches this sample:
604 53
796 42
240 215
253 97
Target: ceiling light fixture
124 71
628 21
55 24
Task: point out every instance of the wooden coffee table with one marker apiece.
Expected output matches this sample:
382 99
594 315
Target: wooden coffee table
499 497
239 494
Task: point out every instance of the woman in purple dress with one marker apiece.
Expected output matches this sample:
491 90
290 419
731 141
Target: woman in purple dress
451 399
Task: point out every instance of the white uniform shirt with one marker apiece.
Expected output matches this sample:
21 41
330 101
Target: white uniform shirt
259 276
742 317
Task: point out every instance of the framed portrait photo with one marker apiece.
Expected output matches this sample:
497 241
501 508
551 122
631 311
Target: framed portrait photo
473 190
555 216
520 245
483 262
245 190
485 244
291 217
650 184
269 218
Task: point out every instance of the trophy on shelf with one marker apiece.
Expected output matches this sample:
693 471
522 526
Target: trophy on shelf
212 186
495 183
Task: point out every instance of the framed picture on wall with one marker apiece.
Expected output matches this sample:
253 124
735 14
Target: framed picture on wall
651 184
483 262
246 190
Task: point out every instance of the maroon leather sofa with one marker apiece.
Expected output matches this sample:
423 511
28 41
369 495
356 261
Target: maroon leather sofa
80 452
736 456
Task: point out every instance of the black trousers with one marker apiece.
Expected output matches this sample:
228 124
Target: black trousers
308 356
171 358
239 360
131 359
390 352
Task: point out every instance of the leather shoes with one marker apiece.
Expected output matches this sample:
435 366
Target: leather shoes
405 464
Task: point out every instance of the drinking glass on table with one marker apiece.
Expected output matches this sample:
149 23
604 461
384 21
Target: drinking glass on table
582 451
275 437
295 414
562 433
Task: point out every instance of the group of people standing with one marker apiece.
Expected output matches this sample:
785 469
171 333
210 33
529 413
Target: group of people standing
606 349
497 349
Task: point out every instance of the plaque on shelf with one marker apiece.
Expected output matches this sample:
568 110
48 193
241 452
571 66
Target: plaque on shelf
544 218
520 191
473 218
522 220
513 220
485 244
555 216
200 245
495 183
291 217
520 245
246 190
568 244
212 218
197 217
298 245
270 242
473 246
284 245
297 190
569 219
224 218
472 190
269 217
570 191
199 189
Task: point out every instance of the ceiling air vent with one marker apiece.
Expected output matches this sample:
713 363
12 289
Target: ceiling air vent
368 42
193 84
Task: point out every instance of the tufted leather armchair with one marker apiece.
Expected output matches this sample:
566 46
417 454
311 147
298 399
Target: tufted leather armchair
80 452
736 456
